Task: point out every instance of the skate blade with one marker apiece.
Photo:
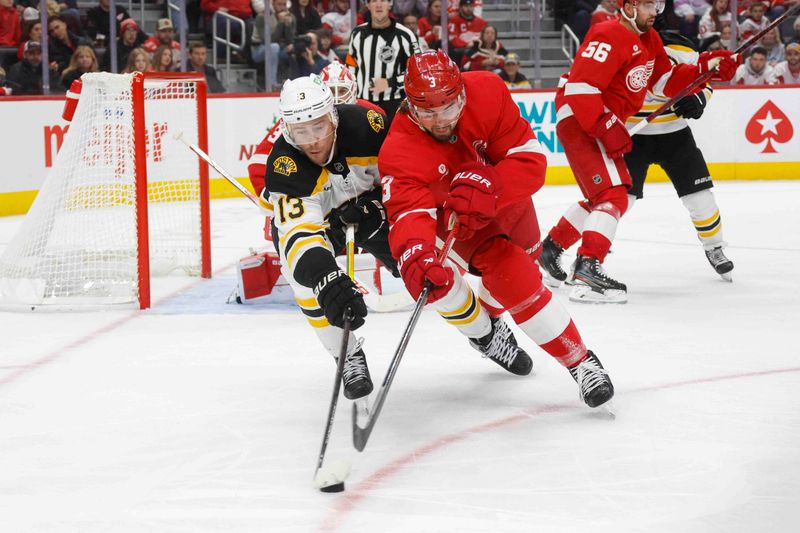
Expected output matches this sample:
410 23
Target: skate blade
550 281
727 277
361 411
582 293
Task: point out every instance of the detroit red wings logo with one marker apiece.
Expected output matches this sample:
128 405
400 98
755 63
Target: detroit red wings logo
637 77
771 124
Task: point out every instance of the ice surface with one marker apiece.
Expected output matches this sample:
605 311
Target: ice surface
204 416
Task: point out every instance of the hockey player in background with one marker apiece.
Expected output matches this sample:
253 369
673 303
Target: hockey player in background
459 145
669 142
323 169
618 62
343 86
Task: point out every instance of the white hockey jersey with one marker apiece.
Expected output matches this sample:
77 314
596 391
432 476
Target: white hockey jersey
782 74
747 76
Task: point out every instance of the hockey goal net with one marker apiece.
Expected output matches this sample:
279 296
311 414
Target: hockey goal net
123 201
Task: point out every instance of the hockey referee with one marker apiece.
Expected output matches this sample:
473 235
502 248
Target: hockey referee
379 50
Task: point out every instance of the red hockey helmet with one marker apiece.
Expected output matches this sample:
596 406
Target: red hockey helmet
432 79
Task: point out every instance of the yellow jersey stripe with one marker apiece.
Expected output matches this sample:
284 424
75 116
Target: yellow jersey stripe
302 244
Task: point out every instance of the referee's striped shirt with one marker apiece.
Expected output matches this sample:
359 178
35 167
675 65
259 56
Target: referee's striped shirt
381 53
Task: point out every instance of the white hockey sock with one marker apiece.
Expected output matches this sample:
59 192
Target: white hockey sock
705 216
631 201
462 309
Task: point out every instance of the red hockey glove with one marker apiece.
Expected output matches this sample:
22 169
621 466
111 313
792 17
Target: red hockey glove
473 198
419 263
724 61
612 133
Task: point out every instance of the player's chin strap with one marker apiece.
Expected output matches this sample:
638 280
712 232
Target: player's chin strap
631 20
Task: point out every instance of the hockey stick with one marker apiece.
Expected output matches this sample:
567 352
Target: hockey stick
327 478
213 164
708 75
361 432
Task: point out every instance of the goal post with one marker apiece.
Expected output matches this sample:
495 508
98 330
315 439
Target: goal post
123 202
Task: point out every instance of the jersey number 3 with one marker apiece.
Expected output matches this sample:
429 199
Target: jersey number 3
599 51
291 207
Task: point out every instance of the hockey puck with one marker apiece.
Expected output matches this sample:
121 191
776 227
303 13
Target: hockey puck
336 487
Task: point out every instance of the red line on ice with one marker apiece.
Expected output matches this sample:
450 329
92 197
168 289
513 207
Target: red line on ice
349 501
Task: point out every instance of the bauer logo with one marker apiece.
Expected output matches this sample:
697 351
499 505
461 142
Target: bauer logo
769 124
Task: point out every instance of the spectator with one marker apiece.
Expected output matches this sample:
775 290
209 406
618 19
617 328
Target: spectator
237 8
411 22
577 14
325 37
130 37
83 60
717 17
774 46
606 10
138 61
486 54
401 8
306 16
453 5
725 36
511 75
31 31
430 26
689 13
796 26
164 36
754 70
162 59
10 24
282 23
305 58
258 49
755 21
97 22
788 72
25 77
464 30
5 90
198 54
62 42
338 21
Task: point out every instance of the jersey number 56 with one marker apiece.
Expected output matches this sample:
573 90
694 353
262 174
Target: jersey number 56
597 50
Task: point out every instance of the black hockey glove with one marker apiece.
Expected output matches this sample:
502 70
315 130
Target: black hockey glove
366 212
336 292
691 106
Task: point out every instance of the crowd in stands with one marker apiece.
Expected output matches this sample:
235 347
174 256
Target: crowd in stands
775 59
77 43
306 35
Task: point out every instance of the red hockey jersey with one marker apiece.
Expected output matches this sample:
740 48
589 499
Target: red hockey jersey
417 170
613 70
256 165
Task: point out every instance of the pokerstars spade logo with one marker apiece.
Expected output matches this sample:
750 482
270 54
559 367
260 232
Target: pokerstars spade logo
771 124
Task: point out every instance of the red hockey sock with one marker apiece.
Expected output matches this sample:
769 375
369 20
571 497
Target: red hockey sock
568 348
569 227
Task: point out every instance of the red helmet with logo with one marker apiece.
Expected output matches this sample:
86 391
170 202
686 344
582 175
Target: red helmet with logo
432 79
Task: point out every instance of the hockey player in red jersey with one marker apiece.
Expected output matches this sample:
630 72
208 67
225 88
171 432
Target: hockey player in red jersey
618 62
458 145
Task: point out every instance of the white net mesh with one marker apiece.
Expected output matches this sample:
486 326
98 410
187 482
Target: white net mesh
78 243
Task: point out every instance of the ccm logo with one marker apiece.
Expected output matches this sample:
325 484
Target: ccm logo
471 176
408 253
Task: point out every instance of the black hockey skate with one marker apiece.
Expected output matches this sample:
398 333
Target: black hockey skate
549 261
590 283
355 376
594 385
720 263
501 347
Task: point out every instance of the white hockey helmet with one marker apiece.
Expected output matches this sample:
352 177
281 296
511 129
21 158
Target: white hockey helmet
302 100
341 82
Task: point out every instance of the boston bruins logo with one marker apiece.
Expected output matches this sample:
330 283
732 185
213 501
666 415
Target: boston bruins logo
387 54
284 165
375 120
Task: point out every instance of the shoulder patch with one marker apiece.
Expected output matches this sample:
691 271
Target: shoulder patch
375 120
284 165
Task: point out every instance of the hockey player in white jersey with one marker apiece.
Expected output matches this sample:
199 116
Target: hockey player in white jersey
322 172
